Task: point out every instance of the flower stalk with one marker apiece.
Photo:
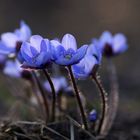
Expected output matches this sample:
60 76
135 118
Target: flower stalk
104 105
83 115
53 94
114 93
42 94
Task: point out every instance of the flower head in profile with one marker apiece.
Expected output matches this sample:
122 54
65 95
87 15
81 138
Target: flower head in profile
36 53
60 84
92 115
11 41
89 63
66 52
13 69
111 45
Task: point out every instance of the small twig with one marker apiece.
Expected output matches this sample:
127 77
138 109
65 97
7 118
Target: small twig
22 135
71 131
83 115
55 132
79 126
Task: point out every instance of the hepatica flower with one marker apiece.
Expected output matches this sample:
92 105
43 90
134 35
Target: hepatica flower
12 69
65 52
60 84
111 45
92 115
11 41
88 64
36 53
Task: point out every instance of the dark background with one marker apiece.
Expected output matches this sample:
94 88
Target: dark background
85 19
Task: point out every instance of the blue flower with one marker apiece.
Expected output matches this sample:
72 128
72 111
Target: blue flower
60 84
11 42
12 69
66 52
111 45
92 115
36 53
86 66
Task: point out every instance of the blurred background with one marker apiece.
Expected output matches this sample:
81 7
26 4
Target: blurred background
85 19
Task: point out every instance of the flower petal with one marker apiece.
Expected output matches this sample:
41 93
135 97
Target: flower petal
26 52
35 41
5 50
34 51
94 51
84 67
80 53
43 45
69 41
24 32
9 39
119 43
12 68
55 43
42 59
106 37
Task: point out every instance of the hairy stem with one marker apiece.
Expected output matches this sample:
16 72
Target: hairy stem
78 98
114 93
53 94
42 94
104 105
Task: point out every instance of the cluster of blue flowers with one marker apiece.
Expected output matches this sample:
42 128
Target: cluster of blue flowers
36 52
20 50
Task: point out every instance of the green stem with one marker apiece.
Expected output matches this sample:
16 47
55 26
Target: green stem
53 94
42 94
78 98
104 104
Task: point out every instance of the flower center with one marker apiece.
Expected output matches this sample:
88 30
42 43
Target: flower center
108 50
68 56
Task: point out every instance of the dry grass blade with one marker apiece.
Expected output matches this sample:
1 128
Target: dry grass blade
55 132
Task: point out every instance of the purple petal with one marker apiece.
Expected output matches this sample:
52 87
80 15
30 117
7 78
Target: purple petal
79 54
69 41
24 32
119 43
6 50
35 41
43 58
43 45
9 39
84 67
12 68
94 51
26 52
33 51
106 37
55 43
